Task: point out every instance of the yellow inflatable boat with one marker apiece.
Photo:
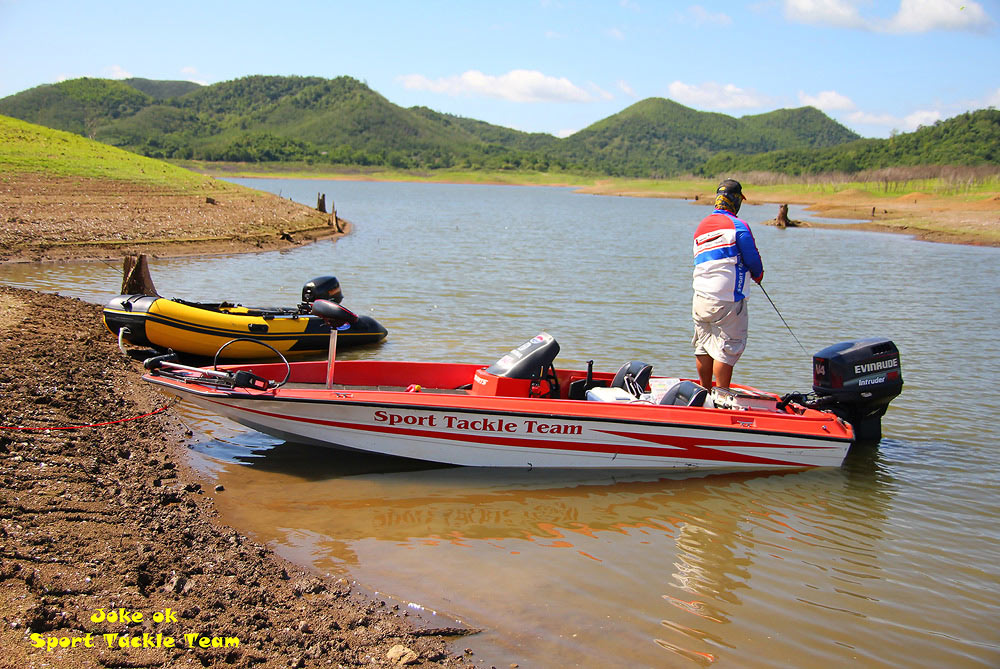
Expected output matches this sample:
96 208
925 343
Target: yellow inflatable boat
200 329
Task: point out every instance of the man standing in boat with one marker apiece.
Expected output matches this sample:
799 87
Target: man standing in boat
724 253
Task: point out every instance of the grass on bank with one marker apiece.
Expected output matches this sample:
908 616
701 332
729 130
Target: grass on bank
26 148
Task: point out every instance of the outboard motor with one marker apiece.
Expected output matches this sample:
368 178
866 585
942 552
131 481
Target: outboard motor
857 380
322 288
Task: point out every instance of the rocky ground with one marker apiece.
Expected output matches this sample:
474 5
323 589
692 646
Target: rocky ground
106 518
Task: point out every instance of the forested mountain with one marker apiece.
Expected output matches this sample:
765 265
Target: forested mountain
162 90
968 139
342 121
658 137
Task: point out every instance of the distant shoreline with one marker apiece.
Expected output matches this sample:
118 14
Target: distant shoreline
52 219
968 219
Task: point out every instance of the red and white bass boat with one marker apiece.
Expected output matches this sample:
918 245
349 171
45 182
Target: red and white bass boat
523 411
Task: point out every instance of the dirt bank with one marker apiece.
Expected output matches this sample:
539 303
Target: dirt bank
955 220
109 518
61 218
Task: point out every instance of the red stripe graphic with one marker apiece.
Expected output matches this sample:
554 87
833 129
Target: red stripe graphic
675 447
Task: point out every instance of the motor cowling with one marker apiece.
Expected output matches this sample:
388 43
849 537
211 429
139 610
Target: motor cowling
857 380
322 288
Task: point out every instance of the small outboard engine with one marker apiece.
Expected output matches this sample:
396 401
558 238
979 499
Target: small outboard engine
857 380
320 288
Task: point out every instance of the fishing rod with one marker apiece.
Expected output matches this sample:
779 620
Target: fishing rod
783 319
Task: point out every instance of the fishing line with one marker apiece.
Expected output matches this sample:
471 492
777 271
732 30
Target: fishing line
783 319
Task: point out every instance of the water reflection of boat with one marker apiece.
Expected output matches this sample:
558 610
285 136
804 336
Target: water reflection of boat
360 495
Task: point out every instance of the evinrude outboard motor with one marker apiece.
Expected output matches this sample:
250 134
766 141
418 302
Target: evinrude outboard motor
857 380
320 288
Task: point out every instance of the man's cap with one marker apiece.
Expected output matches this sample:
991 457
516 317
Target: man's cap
730 187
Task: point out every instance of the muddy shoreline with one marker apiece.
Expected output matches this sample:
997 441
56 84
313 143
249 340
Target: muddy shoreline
46 218
110 518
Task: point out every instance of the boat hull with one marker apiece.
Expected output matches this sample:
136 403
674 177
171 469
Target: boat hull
466 429
200 331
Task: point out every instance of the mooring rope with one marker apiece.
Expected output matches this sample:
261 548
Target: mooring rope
79 427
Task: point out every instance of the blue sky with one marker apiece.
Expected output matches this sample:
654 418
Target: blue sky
553 66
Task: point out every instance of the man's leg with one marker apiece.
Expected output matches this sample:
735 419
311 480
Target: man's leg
705 365
723 374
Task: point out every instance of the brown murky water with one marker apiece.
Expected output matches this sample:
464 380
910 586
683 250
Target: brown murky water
891 560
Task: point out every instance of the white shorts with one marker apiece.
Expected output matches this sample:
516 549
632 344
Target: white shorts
720 328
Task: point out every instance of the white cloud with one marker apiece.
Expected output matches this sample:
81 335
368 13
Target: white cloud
920 16
907 123
919 118
992 100
624 87
913 16
711 95
599 93
566 133
867 118
702 16
192 74
516 86
615 33
117 72
827 101
840 13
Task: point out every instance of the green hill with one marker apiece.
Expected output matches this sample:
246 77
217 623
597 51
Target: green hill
35 149
660 137
79 105
342 121
969 139
162 90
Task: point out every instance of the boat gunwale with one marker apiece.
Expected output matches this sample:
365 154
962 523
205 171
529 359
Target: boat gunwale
270 395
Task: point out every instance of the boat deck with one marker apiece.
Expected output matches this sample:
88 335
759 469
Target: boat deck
384 389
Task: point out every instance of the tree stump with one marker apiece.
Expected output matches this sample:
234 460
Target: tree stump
321 202
136 279
783 216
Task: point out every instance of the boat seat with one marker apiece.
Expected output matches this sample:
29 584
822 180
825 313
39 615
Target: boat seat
685 394
636 374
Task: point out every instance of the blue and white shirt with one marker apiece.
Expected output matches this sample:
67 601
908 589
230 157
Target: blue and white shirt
724 252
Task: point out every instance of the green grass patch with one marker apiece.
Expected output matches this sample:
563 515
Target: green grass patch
26 148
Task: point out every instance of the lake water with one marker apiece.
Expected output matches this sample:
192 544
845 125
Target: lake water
891 560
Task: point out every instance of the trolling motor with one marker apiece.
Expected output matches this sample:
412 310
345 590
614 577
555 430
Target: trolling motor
337 317
856 380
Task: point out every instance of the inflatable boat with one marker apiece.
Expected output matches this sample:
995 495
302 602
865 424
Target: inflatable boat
523 412
201 329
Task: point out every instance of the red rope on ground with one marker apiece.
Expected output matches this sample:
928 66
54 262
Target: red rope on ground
77 427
